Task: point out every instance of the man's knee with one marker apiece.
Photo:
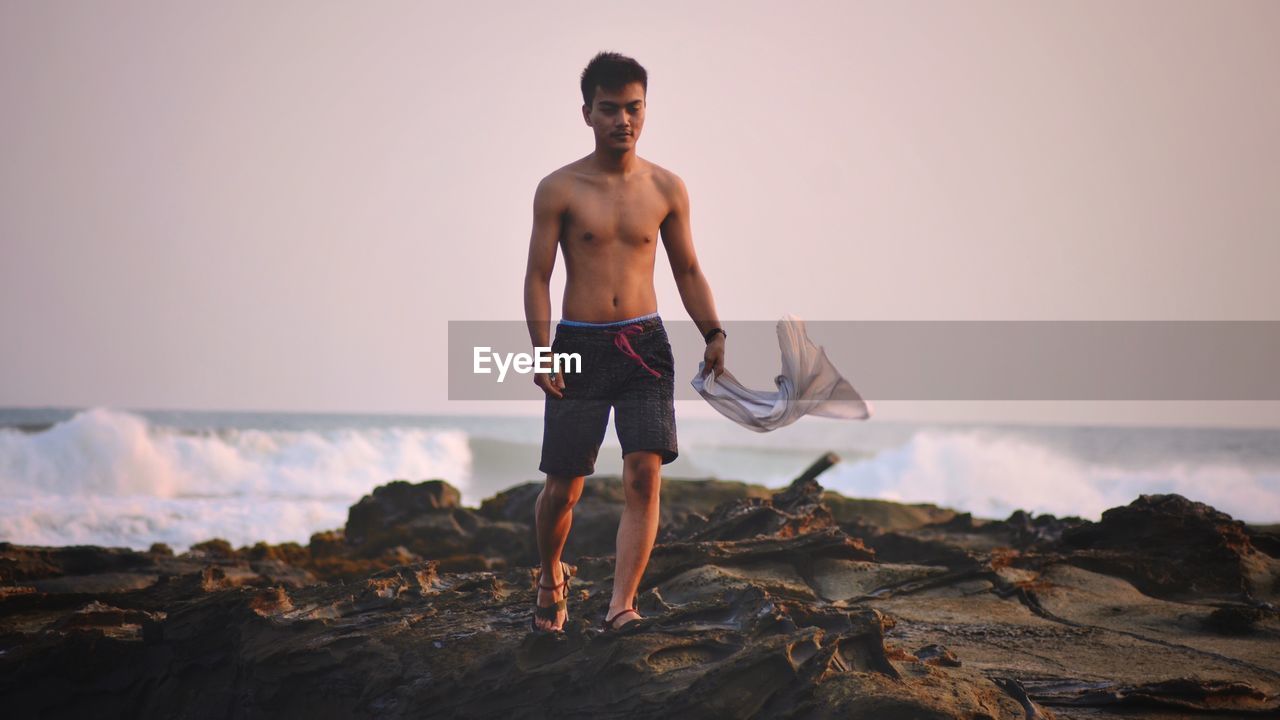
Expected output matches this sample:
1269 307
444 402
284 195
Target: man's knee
642 476
562 492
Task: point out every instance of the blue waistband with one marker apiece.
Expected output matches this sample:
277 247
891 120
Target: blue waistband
576 323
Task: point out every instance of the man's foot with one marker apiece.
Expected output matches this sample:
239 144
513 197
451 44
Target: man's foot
552 594
617 621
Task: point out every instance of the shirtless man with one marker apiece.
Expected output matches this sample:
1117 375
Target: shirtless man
606 211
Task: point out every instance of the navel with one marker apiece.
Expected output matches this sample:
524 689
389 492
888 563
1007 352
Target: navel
588 237
615 301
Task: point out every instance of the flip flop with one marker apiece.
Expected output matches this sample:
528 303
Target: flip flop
550 612
606 625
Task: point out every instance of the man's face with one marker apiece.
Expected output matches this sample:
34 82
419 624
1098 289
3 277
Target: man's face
617 117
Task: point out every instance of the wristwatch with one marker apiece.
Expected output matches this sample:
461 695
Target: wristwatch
712 333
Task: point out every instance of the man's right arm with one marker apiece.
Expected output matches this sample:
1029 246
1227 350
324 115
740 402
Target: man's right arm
549 206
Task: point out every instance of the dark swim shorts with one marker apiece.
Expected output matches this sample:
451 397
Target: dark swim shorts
626 366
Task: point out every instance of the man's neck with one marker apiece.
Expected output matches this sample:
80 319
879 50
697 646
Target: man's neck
613 162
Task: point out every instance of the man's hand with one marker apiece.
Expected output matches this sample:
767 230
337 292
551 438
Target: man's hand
713 358
551 383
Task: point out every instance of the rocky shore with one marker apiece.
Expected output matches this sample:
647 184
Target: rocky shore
792 604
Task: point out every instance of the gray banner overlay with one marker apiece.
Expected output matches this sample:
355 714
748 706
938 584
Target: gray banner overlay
945 360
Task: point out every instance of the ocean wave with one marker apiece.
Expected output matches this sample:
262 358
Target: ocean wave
991 475
116 478
112 453
108 477
138 521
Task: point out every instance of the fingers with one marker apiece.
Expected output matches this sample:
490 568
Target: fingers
713 362
551 383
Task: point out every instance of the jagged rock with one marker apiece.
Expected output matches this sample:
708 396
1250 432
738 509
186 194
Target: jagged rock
935 549
21 564
1194 694
1265 539
86 570
794 511
1041 531
278 572
1240 620
396 503
215 549
161 549
1168 545
935 654
1020 530
401 523
760 605
882 514
414 642
110 621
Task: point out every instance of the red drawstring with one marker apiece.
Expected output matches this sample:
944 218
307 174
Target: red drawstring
623 344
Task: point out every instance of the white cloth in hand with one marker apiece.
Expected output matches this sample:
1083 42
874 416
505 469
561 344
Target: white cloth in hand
809 385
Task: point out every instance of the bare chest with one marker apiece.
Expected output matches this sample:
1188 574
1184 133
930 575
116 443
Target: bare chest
621 215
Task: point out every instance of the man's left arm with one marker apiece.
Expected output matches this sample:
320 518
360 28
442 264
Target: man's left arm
694 289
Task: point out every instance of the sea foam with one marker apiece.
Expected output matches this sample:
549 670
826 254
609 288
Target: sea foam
108 477
991 475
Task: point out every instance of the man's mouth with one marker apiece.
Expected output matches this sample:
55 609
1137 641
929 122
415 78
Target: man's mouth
622 135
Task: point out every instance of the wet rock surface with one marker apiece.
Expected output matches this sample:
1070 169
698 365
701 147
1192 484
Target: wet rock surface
794 604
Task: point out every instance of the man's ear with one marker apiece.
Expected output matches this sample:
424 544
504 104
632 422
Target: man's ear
586 114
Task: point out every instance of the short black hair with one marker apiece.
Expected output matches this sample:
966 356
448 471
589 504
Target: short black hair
611 71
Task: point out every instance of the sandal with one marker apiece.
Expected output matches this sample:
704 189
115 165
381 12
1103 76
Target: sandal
550 612
607 624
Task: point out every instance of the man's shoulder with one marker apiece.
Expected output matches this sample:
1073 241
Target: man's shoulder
562 177
556 177
557 183
667 181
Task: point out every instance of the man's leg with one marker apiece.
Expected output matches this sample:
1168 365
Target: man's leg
641 482
553 516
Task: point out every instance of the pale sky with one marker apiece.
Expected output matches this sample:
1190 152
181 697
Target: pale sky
279 206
